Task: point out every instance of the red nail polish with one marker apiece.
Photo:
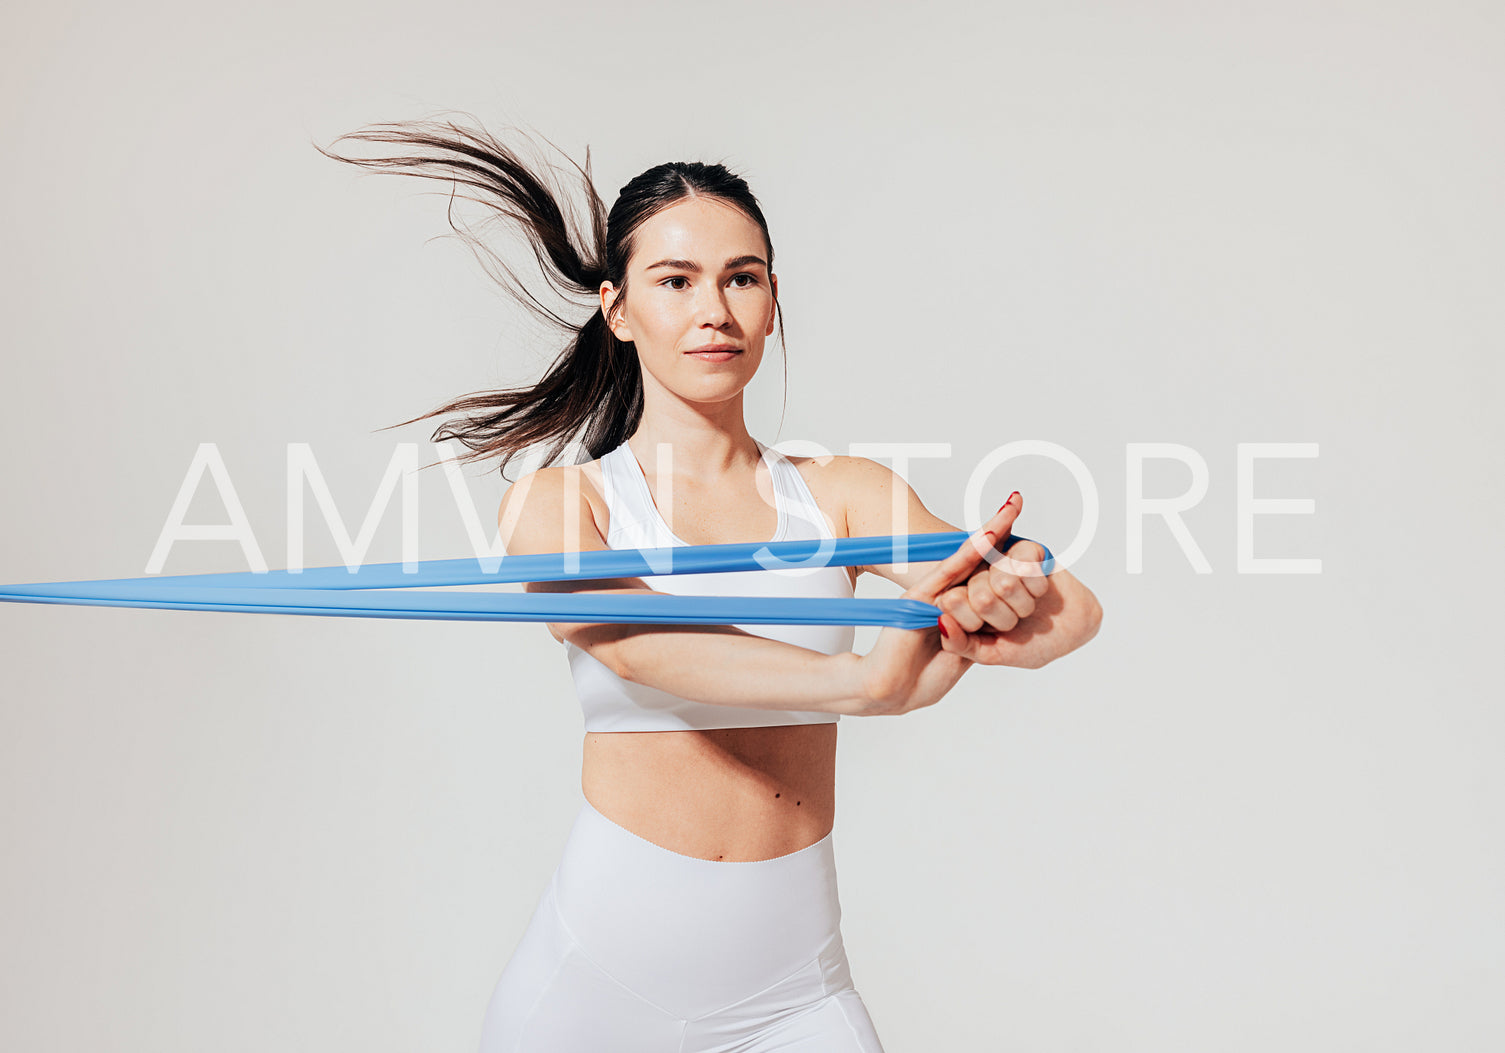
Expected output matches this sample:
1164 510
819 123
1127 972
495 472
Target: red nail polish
942 628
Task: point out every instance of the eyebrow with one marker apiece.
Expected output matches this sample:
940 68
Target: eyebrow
691 265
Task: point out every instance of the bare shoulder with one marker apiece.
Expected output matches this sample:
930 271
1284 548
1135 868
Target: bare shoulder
853 483
857 493
826 477
878 501
536 510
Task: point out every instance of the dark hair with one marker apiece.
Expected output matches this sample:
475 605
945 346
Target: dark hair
595 385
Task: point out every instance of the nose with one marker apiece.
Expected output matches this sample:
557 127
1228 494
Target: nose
711 309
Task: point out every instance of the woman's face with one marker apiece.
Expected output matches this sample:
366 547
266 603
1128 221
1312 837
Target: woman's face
698 276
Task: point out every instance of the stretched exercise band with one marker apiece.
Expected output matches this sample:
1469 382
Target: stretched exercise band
328 590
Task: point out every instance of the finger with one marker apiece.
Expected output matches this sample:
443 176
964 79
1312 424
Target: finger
1022 549
1006 514
1036 585
1024 560
958 566
1000 599
1014 590
954 569
953 639
955 602
990 648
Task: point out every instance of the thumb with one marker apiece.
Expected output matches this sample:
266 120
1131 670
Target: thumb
1003 519
958 567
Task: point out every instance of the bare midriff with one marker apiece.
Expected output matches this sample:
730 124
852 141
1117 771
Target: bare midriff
727 794
735 795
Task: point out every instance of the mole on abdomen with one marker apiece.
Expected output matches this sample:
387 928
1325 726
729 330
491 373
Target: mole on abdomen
777 795
796 802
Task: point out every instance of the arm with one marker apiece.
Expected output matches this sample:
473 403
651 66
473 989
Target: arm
547 511
1064 618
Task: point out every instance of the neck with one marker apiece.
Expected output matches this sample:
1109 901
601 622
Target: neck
706 441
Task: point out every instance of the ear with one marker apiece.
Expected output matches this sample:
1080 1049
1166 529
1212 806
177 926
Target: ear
773 282
619 328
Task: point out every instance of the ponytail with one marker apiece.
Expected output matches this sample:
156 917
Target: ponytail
593 392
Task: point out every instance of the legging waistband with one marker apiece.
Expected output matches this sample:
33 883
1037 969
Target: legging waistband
659 920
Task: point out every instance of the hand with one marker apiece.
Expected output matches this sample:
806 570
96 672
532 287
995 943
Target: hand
909 669
994 600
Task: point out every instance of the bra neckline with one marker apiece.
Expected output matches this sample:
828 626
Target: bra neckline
779 500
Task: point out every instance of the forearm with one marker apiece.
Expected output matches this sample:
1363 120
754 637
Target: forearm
725 666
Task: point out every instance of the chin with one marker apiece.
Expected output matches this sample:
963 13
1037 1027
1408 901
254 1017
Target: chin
711 396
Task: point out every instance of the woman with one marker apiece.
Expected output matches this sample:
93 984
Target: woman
695 907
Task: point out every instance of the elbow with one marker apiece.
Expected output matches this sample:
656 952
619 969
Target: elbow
605 643
613 655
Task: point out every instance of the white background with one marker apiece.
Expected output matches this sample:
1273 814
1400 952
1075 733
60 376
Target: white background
1258 812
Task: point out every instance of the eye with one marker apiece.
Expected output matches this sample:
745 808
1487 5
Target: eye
752 280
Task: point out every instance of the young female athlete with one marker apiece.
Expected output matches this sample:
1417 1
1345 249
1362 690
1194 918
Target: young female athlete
695 908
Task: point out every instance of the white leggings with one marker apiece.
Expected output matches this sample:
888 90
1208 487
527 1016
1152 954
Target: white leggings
634 948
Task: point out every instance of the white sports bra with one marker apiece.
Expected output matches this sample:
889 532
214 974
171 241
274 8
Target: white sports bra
611 703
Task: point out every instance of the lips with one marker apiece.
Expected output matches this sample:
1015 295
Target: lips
712 349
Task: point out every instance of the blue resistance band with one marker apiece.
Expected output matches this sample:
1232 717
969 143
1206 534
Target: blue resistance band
337 591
